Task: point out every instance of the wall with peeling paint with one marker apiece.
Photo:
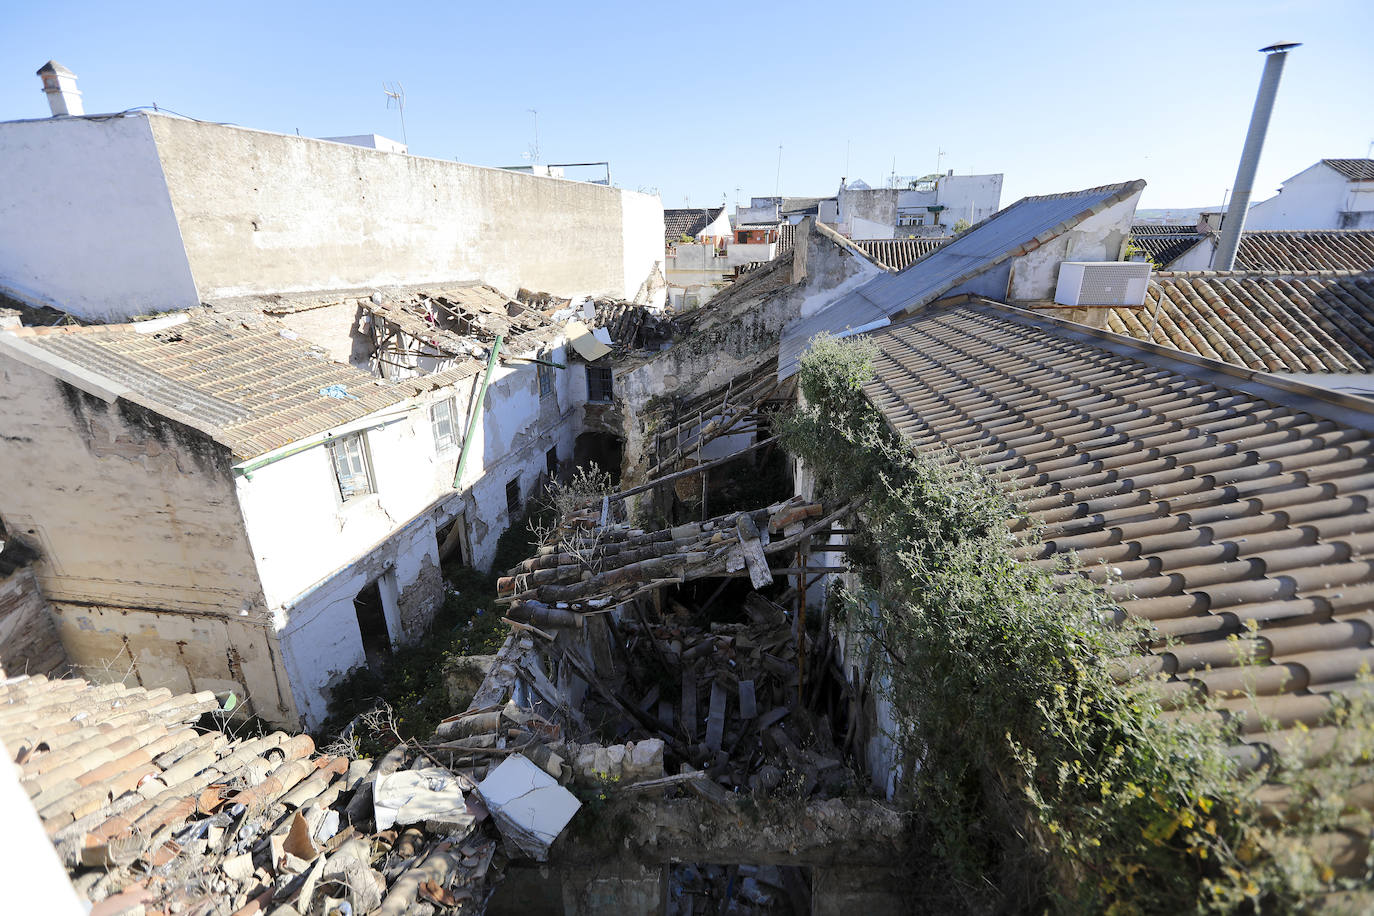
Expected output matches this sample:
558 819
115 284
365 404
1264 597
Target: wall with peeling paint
145 557
314 552
1100 237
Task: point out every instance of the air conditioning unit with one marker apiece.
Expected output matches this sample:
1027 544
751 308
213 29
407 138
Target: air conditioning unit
1102 283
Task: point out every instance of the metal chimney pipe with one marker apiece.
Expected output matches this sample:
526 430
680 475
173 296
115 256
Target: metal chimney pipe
1234 221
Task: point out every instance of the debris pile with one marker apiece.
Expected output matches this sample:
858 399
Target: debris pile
586 566
153 814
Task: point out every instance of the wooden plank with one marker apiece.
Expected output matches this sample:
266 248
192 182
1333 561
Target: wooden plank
759 573
715 720
748 707
689 705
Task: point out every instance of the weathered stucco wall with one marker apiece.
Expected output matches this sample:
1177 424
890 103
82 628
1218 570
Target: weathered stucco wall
86 224
1100 237
263 212
145 558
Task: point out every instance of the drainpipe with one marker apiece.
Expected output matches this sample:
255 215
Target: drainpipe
1234 221
476 410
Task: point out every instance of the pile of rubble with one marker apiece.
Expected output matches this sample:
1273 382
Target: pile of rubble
153 814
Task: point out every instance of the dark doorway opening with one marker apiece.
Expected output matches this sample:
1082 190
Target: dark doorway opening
453 548
372 624
603 449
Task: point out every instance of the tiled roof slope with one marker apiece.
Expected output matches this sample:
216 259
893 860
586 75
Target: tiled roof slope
1162 229
1222 499
677 223
1285 249
252 388
1295 323
1164 248
118 773
1015 230
899 254
1354 169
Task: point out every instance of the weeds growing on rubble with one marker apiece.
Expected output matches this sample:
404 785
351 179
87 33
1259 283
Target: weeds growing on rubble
1044 781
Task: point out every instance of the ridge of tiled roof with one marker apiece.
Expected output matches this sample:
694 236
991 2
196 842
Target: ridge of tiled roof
1297 322
1234 510
1354 169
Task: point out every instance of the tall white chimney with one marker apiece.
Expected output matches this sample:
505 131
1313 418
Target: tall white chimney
59 84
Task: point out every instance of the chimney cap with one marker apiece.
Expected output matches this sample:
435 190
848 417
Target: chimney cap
1282 46
54 68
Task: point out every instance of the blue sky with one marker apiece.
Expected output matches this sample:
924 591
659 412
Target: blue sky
694 99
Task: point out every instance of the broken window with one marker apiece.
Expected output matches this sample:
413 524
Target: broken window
598 383
442 420
513 496
545 376
351 466
551 461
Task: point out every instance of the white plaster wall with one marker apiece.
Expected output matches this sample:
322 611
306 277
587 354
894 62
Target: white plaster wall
860 228
321 641
302 534
1100 237
1199 257
642 221
748 253
86 224
262 212
1311 199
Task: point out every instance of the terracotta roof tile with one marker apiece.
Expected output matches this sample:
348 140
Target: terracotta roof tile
1211 506
1275 323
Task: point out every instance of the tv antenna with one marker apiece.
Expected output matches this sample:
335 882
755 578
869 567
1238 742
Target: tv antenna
396 93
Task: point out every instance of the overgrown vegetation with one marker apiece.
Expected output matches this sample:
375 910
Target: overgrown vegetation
1045 782
411 680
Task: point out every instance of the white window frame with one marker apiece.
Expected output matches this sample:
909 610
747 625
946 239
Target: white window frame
351 463
443 444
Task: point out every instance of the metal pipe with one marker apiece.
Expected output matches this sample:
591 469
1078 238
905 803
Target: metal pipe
1234 222
476 410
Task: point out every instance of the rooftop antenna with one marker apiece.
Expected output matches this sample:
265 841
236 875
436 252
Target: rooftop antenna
777 179
395 92
847 145
939 159
534 150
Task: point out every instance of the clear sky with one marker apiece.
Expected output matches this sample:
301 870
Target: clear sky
693 99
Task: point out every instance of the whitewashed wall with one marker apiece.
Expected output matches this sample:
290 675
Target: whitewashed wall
315 553
86 223
1312 199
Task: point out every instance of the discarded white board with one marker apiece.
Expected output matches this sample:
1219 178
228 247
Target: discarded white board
529 806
